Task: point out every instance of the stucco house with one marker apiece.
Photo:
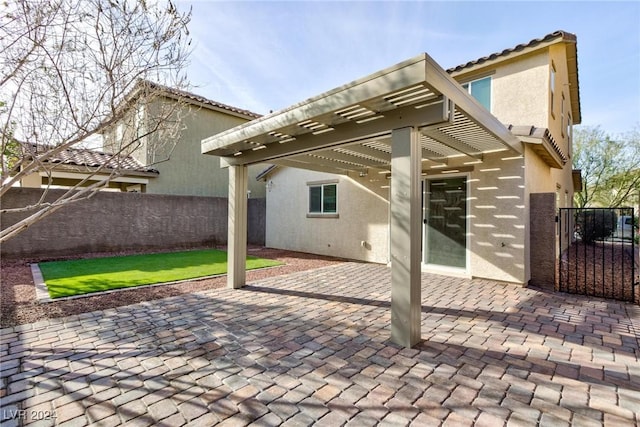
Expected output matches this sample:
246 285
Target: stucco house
418 167
73 167
474 199
155 166
179 169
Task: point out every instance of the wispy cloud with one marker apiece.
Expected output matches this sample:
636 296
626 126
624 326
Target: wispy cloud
269 55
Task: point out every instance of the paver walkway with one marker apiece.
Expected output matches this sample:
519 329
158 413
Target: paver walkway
312 348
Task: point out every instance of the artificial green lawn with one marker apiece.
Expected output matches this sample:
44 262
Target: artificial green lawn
66 278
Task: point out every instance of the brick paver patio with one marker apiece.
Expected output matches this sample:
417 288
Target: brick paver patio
312 348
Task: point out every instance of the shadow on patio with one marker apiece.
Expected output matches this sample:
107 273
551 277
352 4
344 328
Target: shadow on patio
312 347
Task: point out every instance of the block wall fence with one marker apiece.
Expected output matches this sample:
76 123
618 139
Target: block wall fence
543 241
111 222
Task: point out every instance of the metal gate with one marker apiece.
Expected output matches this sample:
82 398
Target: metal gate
598 252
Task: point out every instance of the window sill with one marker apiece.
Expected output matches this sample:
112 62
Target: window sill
323 215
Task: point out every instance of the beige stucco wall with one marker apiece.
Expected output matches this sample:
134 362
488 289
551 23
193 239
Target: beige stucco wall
519 91
363 217
188 172
497 216
521 96
557 57
499 187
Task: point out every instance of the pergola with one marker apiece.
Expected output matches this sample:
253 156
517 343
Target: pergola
388 121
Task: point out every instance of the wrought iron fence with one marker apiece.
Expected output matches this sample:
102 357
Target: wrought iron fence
599 252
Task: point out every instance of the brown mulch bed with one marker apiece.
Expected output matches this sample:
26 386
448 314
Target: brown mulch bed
602 269
18 303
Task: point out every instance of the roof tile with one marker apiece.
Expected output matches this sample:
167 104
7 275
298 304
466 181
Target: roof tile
556 34
189 96
88 158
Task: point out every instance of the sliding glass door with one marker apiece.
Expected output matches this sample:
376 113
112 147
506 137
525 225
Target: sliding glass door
446 222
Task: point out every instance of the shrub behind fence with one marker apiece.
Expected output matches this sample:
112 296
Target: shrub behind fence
600 257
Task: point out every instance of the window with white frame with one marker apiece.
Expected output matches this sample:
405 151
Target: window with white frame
569 133
552 86
138 121
119 133
562 116
323 198
481 90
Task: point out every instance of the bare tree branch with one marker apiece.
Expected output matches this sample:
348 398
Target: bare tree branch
71 71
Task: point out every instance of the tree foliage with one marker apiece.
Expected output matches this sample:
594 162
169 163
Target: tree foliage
596 224
610 167
69 71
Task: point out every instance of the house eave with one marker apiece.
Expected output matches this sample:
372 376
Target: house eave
209 106
543 149
81 169
542 143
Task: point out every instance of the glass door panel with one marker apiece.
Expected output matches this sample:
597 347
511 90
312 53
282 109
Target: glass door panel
446 222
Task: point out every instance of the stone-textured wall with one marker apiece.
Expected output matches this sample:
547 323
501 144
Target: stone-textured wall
543 240
120 221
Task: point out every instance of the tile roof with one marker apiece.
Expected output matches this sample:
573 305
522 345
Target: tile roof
572 62
192 97
551 36
88 158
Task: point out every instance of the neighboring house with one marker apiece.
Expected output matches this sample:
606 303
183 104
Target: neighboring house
330 191
82 167
182 169
157 164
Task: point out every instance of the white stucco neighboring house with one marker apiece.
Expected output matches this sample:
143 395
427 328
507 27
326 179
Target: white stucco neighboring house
416 166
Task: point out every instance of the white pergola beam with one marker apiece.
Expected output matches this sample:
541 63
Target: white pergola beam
237 227
452 142
344 134
322 161
371 152
405 74
362 161
406 229
309 166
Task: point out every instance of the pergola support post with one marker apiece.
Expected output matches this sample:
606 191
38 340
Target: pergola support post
237 227
406 229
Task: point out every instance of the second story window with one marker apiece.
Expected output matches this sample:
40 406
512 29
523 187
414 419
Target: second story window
569 133
562 123
481 90
119 133
552 86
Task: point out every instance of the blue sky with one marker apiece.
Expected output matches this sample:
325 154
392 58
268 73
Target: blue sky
266 56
